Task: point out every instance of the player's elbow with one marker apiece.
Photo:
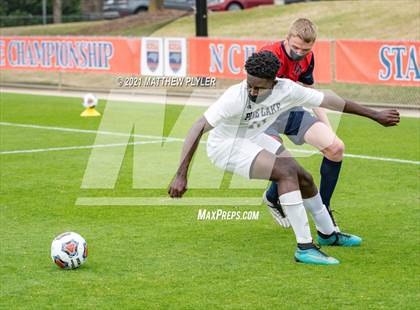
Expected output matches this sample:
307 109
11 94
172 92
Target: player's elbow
206 125
333 102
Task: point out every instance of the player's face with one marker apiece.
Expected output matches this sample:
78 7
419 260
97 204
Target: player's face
297 48
259 89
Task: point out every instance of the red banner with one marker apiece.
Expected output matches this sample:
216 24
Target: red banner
356 61
378 62
225 58
71 54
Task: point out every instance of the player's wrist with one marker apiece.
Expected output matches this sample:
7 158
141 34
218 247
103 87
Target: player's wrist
374 115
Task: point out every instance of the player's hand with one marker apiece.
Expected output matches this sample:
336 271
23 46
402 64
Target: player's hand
178 187
388 117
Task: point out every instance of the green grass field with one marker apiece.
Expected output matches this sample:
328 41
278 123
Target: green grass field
162 257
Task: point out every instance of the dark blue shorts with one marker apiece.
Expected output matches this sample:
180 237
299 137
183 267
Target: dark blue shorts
294 123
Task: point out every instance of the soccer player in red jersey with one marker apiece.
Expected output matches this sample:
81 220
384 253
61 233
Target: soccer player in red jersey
297 64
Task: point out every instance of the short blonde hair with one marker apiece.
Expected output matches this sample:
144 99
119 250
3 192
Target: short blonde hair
304 29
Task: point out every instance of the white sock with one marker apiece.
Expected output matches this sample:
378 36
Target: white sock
296 213
320 214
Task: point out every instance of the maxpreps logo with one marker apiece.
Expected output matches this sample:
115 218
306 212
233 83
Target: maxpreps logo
223 215
152 54
400 63
175 55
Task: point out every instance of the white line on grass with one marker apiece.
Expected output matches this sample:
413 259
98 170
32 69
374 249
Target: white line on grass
110 133
395 160
166 201
161 139
81 147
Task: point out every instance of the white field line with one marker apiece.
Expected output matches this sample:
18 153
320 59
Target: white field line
81 147
110 133
158 139
166 201
395 160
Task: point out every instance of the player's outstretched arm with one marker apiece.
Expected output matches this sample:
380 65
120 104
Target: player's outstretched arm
390 117
178 185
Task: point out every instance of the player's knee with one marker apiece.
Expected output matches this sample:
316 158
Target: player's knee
335 151
284 168
305 178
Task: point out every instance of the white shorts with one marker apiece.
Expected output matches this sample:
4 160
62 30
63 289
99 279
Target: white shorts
236 155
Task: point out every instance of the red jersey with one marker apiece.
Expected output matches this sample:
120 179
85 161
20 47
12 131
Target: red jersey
301 70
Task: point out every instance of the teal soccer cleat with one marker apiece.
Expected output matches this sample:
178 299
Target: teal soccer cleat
313 255
339 239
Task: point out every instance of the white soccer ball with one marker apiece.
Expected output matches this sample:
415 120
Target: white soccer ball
69 250
90 101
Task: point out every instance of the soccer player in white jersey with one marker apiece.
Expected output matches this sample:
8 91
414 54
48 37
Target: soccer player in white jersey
237 143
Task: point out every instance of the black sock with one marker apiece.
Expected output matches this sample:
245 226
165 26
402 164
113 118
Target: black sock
306 246
329 177
272 194
324 236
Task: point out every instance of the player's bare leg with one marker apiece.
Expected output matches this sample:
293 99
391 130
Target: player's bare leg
324 139
321 136
286 170
294 186
275 208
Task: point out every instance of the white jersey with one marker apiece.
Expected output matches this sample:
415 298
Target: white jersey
234 115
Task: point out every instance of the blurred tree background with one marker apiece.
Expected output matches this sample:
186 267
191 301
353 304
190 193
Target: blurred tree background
29 12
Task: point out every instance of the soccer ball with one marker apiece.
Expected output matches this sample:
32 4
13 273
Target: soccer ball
90 101
69 250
